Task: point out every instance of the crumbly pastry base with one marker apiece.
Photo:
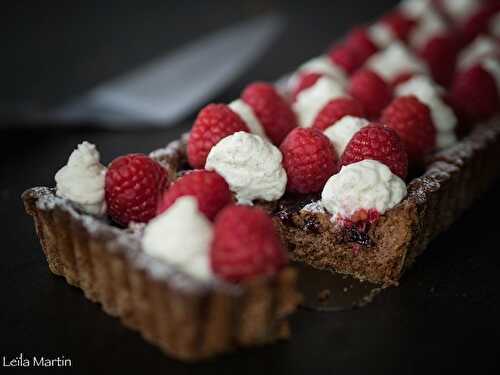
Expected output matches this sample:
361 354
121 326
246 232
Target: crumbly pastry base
453 179
186 320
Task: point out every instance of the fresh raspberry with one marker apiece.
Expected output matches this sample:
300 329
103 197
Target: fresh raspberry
371 91
245 245
346 58
412 120
271 109
133 186
209 188
305 81
400 24
478 22
440 54
335 109
214 122
380 143
309 159
359 41
474 94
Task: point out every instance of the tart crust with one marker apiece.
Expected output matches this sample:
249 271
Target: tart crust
186 319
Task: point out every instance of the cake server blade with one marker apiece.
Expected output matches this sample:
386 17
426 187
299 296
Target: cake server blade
171 87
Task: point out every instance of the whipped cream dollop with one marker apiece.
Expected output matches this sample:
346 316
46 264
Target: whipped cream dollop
311 101
341 132
324 65
494 26
81 180
181 236
458 10
395 60
381 34
415 8
367 184
480 48
492 66
250 165
248 116
431 24
442 115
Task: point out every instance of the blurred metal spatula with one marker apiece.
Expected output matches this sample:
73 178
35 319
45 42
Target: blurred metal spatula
171 87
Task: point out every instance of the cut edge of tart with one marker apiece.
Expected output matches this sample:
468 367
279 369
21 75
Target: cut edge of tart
380 252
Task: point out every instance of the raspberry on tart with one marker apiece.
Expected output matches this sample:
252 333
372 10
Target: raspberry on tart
359 41
378 143
245 245
440 53
346 58
213 123
399 23
335 109
412 120
208 187
271 109
371 91
133 186
474 94
309 159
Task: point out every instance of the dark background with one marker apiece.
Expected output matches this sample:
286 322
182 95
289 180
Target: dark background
443 317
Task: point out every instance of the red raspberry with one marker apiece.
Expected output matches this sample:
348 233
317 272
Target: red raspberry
474 94
309 159
214 122
412 120
359 41
479 21
209 188
133 186
379 143
440 54
305 81
335 109
271 109
346 58
245 245
400 24
371 91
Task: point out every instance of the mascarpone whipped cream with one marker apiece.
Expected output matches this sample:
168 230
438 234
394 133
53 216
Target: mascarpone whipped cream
341 132
323 65
395 60
492 66
81 180
430 25
480 48
458 10
250 165
415 8
181 236
248 116
494 26
311 101
442 115
367 184
381 34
